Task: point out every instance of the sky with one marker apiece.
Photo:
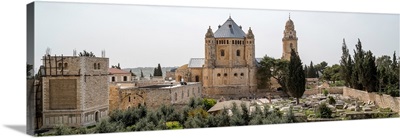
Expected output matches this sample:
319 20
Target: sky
143 36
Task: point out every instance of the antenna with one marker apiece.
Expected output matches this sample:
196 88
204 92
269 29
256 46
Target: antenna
48 51
103 53
74 53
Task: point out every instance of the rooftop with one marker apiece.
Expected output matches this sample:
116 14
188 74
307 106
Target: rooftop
117 71
229 30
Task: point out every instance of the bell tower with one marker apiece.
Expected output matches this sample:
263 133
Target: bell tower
289 39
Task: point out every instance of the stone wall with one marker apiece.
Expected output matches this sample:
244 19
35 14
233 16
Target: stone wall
82 104
229 92
331 90
383 101
123 98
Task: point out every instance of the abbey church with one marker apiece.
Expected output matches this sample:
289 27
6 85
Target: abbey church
229 68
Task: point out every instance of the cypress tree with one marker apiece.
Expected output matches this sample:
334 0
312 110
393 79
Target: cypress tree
296 78
306 71
358 66
141 74
311 71
345 65
159 70
370 79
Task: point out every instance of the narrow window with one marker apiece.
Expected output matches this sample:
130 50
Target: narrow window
197 78
112 79
237 52
125 78
176 97
235 74
98 65
222 53
94 66
129 99
241 74
65 65
225 74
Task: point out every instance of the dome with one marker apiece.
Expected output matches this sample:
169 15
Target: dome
289 23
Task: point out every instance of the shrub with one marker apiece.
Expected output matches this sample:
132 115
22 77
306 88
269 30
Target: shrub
208 103
173 125
106 127
62 130
323 111
331 100
325 92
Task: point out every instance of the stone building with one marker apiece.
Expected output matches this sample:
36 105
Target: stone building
153 96
73 91
119 76
229 68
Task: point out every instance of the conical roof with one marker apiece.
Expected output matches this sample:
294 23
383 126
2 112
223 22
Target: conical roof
229 30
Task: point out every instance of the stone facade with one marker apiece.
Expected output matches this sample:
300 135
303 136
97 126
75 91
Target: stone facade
383 101
289 40
119 76
75 90
230 66
122 98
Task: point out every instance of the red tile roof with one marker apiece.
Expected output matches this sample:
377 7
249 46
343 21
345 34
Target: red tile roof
117 71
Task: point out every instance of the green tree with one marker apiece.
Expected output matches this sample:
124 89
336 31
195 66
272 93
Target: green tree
358 70
346 65
305 70
158 70
296 79
264 72
312 73
370 79
383 68
275 68
320 67
332 73
86 54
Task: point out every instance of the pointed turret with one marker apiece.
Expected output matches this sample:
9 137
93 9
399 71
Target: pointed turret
250 34
209 33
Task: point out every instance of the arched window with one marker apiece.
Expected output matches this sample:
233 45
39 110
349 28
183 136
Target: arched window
94 66
98 65
65 65
129 99
237 52
225 74
197 78
222 53
241 74
112 79
125 78
218 74
235 74
59 66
